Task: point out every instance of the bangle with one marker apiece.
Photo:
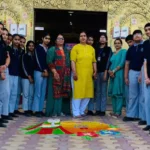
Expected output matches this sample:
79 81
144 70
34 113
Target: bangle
114 71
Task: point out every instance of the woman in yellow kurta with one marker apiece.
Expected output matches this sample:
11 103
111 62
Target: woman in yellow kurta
83 64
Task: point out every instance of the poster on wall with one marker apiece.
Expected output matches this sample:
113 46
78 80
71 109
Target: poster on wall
116 32
22 29
13 29
124 32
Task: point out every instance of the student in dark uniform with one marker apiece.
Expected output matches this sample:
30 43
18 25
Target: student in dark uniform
22 51
14 72
27 78
5 111
9 41
146 46
129 40
134 63
90 41
103 55
40 75
4 62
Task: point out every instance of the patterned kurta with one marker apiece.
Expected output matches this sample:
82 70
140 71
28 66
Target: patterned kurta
59 59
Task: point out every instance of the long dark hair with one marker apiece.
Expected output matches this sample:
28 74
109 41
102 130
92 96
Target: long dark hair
27 45
1 35
97 46
118 39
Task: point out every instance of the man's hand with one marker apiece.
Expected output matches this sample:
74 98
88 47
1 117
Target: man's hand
2 76
139 79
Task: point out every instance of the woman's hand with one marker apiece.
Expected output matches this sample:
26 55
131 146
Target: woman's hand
127 81
30 79
95 75
111 74
56 76
105 76
45 73
75 77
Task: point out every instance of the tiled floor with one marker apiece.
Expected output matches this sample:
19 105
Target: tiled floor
132 138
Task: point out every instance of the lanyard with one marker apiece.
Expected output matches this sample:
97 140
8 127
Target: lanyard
100 52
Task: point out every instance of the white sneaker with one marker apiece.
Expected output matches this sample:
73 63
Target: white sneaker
54 116
62 115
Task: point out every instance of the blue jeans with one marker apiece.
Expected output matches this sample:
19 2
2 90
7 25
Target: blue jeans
4 95
5 110
127 96
28 91
18 94
40 91
13 82
92 100
134 94
142 114
101 93
147 103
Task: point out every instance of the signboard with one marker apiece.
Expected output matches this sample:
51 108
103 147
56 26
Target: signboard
124 32
22 29
116 32
13 29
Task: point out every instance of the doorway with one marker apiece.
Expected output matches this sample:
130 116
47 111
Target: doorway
69 23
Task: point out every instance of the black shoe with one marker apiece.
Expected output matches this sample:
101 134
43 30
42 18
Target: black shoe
98 113
2 125
38 114
27 114
18 112
3 120
13 115
30 112
146 128
42 113
137 119
7 117
90 113
102 114
142 122
128 119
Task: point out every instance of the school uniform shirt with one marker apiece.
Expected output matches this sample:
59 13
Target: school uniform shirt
3 53
103 56
135 55
40 58
22 52
27 64
146 46
15 60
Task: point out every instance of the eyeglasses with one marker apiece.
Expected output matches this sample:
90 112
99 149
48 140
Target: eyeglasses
137 34
60 38
117 43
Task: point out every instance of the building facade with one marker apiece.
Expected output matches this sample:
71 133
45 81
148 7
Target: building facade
133 14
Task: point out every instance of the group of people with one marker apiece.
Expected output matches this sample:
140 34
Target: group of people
86 75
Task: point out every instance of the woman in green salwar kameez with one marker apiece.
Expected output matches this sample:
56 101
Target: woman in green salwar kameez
59 84
116 71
